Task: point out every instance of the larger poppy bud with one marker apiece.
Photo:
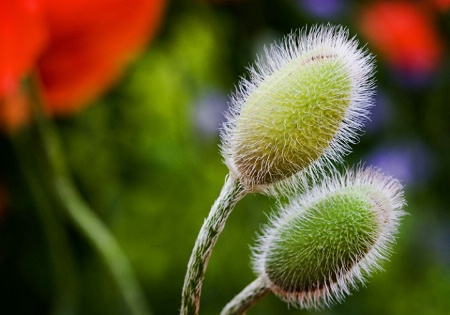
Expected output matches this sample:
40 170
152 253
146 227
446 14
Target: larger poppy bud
303 105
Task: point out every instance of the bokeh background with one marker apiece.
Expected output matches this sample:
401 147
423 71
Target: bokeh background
144 154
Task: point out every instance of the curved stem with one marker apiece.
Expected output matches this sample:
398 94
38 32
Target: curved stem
254 292
84 219
104 243
231 193
61 258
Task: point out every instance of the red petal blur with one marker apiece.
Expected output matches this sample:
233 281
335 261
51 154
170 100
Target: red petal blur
78 48
22 38
442 5
404 34
90 41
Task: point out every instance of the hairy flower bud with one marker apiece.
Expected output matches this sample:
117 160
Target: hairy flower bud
326 241
303 105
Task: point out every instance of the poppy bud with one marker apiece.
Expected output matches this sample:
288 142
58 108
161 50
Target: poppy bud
303 105
328 240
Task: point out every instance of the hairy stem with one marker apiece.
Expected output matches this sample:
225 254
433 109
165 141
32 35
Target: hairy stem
254 292
83 218
231 193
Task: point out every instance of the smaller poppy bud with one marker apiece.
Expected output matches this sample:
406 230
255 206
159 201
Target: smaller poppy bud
303 105
326 241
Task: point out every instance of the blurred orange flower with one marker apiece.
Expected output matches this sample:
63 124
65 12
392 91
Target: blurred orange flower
77 48
404 34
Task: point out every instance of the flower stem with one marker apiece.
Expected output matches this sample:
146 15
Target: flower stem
80 214
231 193
254 292
61 257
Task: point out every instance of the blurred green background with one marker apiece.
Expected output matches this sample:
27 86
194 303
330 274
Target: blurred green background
145 156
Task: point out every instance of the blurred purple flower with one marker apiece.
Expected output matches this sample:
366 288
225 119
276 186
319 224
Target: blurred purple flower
323 8
410 162
380 114
413 79
208 112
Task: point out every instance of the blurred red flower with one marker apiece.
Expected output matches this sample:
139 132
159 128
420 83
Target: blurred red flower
77 48
442 5
404 34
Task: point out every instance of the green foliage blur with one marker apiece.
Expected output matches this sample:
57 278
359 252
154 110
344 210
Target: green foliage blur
146 158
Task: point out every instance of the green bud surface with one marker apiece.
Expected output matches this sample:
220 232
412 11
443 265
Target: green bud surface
313 250
291 118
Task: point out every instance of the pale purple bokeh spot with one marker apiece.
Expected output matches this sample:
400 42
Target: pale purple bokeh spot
410 162
209 112
380 113
323 8
413 78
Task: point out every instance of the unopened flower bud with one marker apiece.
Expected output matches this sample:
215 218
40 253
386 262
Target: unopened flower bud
303 104
326 241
